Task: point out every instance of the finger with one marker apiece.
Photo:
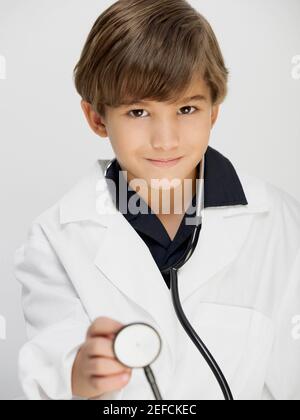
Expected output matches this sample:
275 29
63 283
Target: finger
99 346
109 384
104 367
104 326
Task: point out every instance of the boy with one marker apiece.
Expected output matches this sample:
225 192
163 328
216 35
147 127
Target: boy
85 273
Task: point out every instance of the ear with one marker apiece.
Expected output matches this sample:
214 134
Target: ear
95 121
214 114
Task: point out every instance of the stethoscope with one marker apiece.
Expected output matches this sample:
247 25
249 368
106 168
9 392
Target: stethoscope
138 345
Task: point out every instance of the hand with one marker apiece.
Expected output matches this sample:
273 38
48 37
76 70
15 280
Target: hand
96 370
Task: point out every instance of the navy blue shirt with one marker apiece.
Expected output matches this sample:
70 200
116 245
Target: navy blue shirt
222 188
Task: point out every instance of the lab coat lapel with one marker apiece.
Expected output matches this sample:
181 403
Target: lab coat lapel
224 231
220 241
126 261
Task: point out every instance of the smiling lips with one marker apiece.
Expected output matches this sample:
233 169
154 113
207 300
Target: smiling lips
164 163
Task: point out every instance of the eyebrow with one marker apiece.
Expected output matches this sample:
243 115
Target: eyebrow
190 98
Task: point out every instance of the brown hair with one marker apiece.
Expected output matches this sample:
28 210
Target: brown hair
148 49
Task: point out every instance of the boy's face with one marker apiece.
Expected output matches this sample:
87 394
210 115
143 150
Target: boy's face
153 130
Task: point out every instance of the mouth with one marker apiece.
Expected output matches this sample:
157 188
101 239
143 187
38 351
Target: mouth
164 162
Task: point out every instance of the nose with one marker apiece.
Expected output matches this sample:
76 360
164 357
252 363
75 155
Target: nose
165 136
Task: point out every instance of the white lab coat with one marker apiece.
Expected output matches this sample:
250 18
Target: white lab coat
240 291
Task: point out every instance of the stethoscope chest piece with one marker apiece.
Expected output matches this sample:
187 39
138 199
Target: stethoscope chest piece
137 345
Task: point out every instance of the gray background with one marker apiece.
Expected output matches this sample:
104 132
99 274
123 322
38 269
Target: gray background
46 145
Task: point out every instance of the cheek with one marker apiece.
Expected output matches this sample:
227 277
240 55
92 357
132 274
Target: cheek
204 123
200 124
197 134
126 150
128 138
127 147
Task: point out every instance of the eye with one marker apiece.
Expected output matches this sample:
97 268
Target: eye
135 111
187 107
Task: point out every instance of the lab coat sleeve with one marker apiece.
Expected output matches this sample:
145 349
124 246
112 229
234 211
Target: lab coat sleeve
283 379
56 322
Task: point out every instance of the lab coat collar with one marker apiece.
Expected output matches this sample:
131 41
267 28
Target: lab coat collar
125 260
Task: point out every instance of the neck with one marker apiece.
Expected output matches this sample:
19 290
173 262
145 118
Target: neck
176 200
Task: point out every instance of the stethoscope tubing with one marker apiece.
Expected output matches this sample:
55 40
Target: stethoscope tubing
196 339
152 382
